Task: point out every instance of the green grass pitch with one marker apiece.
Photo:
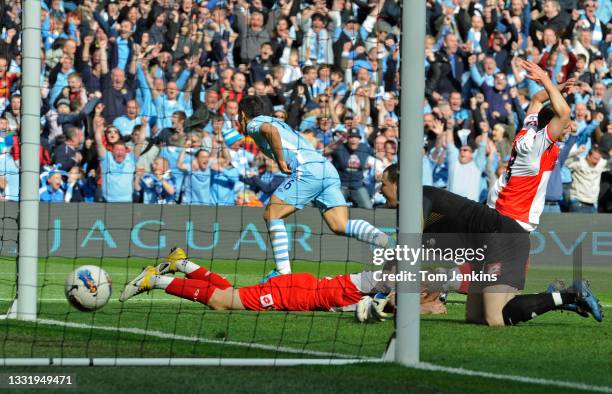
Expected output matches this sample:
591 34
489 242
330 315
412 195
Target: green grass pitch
556 346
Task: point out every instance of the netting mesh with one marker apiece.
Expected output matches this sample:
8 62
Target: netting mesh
160 325
108 200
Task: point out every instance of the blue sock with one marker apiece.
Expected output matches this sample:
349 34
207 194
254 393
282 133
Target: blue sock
365 232
280 245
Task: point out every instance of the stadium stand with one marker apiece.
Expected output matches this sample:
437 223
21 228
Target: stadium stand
126 82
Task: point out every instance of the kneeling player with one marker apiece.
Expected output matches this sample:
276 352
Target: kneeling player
445 212
291 292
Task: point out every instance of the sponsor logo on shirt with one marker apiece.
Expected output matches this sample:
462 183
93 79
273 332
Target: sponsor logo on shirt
266 300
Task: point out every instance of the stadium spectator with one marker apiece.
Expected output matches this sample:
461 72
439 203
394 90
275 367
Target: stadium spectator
7 80
262 65
197 176
117 165
9 175
177 128
52 190
267 182
317 45
80 188
552 17
117 89
465 165
230 116
554 189
240 158
323 130
169 101
586 177
350 157
157 186
446 70
223 181
58 77
390 156
252 29
127 122
12 113
68 155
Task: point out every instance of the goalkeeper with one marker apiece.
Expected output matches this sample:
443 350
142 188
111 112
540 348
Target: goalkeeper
291 292
445 212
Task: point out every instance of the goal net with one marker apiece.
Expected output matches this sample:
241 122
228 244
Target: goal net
230 241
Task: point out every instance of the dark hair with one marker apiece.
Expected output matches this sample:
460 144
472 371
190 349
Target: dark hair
319 16
392 173
596 149
200 151
71 132
180 114
252 106
308 69
545 116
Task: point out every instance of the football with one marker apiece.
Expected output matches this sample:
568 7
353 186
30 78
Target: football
88 288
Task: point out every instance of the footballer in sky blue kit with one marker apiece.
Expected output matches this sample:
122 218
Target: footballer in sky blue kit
311 178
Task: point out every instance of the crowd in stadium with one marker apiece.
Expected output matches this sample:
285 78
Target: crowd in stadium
140 97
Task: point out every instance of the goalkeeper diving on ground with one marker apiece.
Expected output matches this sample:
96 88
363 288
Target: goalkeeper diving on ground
291 292
299 292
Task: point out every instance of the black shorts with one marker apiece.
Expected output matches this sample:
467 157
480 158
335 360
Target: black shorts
462 223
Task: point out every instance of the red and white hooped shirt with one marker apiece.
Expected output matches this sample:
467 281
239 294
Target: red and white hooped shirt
520 192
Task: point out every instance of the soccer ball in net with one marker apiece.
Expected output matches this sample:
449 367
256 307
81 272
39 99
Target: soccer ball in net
88 288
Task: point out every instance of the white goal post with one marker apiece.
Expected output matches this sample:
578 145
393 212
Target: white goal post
27 274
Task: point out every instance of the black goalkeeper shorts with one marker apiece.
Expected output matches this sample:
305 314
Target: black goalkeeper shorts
462 223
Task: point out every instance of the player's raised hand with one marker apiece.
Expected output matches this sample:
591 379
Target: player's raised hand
534 72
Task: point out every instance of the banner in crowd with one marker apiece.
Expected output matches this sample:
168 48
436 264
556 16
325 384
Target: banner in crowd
149 231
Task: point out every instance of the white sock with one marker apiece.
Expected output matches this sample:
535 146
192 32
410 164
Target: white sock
365 232
161 281
280 245
186 266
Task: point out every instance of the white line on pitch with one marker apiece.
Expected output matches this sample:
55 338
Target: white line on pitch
173 300
138 301
163 335
514 378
